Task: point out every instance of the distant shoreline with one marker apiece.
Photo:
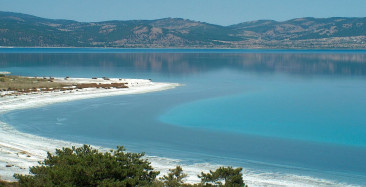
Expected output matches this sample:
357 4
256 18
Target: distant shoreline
189 48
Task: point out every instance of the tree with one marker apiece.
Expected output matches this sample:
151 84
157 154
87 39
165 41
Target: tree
223 176
174 178
85 166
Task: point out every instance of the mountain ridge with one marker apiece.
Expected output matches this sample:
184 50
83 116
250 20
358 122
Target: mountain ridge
23 30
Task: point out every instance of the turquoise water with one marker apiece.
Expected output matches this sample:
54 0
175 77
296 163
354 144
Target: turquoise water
307 110
288 111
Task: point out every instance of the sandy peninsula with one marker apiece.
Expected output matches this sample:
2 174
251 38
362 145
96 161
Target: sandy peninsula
19 151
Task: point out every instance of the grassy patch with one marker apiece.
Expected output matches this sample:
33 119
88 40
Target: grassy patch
21 85
27 84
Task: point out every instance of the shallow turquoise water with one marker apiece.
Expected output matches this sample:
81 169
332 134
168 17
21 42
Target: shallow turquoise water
296 111
326 110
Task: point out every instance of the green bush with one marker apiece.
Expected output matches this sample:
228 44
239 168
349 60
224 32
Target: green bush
86 166
174 178
223 176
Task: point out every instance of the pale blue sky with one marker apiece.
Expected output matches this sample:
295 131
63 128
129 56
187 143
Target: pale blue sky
222 12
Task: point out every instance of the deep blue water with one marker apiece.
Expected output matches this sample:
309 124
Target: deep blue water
295 111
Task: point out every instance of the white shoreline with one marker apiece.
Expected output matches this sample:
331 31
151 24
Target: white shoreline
22 150
135 86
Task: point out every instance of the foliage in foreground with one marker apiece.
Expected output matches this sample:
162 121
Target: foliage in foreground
85 166
174 178
223 175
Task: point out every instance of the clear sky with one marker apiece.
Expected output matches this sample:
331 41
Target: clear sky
222 12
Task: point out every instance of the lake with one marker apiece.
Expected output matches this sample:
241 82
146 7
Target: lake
279 112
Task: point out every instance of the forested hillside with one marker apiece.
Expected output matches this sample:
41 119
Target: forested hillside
29 31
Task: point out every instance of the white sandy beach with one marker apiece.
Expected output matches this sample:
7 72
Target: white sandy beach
19 151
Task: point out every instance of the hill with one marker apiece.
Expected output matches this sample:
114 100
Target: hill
30 31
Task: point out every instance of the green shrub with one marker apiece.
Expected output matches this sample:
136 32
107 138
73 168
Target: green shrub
174 178
85 166
223 176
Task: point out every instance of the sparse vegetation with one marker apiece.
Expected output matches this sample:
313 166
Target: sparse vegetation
21 85
28 84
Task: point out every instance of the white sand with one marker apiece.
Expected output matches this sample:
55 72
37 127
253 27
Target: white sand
136 86
19 151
